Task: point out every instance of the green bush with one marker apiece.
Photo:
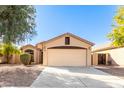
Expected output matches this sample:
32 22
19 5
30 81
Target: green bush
25 58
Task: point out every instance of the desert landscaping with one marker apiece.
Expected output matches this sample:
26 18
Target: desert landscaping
18 75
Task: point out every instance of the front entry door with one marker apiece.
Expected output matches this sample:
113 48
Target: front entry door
101 59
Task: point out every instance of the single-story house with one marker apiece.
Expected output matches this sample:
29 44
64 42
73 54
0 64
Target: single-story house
64 50
108 55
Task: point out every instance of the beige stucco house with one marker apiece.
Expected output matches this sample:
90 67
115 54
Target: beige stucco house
106 54
64 50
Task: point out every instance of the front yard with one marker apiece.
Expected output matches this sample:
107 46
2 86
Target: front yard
18 75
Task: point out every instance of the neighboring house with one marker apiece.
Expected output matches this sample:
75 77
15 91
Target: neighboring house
108 54
63 50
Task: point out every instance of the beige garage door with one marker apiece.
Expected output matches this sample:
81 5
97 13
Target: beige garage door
66 57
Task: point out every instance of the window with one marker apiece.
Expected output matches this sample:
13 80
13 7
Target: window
67 40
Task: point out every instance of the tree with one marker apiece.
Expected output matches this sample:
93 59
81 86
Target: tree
17 23
7 50
117 34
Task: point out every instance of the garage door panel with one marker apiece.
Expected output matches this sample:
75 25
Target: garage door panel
66 57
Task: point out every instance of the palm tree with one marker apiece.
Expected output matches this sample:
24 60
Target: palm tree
7 50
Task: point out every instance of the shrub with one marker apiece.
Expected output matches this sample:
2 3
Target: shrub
25 58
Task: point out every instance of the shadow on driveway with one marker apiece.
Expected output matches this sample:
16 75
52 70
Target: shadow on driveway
113 70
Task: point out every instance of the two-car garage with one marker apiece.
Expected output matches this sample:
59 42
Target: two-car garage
67 56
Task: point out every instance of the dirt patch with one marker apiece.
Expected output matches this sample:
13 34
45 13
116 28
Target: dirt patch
18 75
113 70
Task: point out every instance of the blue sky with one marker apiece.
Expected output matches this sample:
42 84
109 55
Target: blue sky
89 22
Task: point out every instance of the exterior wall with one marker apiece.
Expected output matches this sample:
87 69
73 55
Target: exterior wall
40 46
107 58
114 55
88 57
117 56
16 59
61 42
95 59
45 57
0 59
38 56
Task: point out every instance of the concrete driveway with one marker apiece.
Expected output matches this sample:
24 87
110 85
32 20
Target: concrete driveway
76 77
